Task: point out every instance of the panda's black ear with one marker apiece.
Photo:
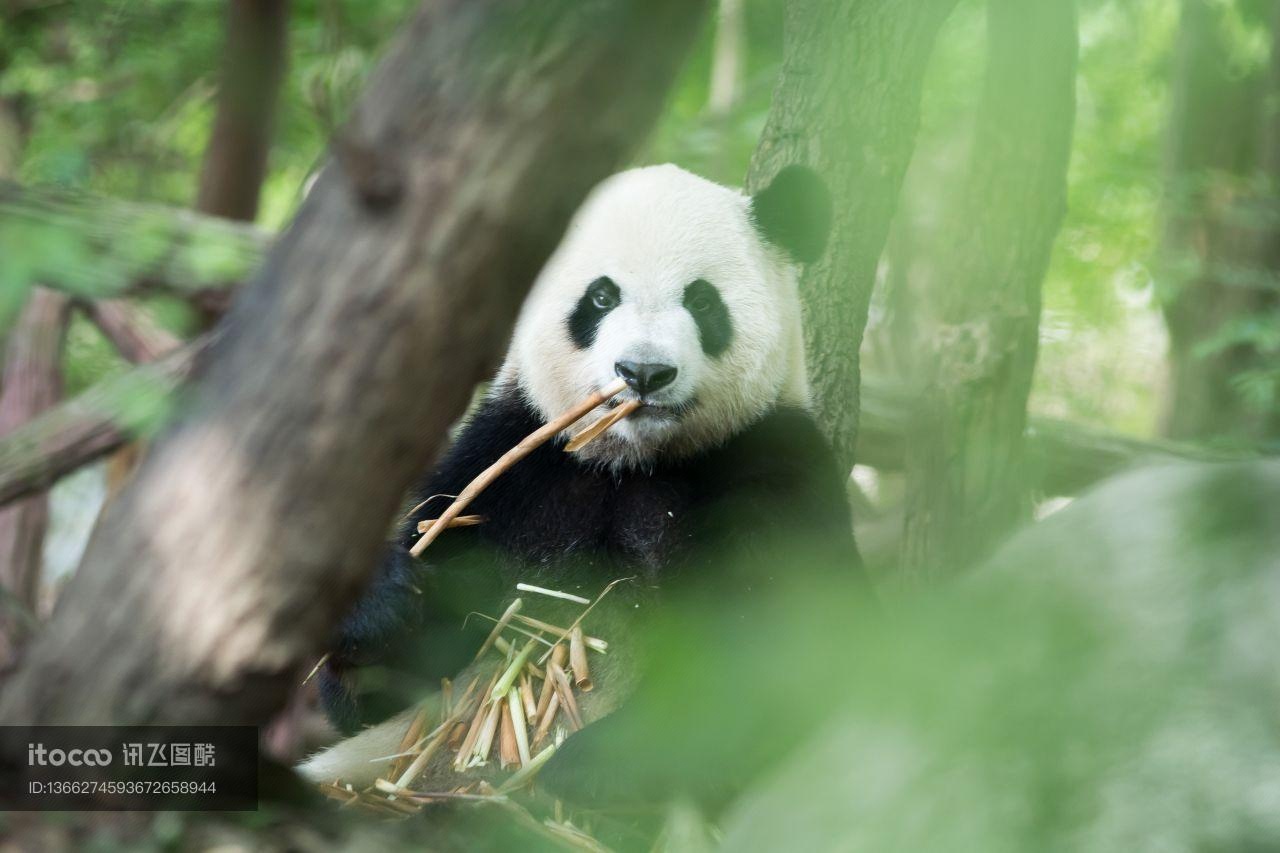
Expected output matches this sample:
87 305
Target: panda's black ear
794 213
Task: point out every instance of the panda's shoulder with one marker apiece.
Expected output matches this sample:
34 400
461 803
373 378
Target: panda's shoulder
784 445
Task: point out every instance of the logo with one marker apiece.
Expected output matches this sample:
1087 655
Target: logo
38 756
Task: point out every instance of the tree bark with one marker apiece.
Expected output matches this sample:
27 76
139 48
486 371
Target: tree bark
847 103
966 468
253 65
1221 245
32 383
255 521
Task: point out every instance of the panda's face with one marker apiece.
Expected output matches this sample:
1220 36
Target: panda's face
664 280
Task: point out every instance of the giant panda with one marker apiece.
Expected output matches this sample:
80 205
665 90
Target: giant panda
688 291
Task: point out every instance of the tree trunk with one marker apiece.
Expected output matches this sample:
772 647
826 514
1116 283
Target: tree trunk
847 103
32 383
253 64
966 466
1220 252
256 520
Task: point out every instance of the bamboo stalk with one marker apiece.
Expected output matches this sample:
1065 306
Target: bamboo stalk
411 735
593 643
507 752
473 732
552 593
547 716
548 690
460 521
506 648
512 609
565 690
526 773
323 660
597 429
530 443
526 696
484 743
522 631
513 669
578 660
520 725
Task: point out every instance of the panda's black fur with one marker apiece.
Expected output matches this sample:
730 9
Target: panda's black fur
725 517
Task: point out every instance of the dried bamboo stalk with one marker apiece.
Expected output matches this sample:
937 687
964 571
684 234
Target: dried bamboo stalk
473 732
548 690
593 643
530 443
522 631
484 742
520 725
578 660
460 521
552 593
565 690
410 738
526 696
507 752
316 668
512 609
547 717
597 429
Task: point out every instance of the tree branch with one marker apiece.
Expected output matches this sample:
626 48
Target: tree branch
84 429
131 331
92 247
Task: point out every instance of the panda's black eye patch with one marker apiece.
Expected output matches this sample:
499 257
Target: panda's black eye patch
600 297
715 329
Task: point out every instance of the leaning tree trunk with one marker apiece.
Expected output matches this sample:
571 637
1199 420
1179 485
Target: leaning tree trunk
1220 253
966 466
32 382
847 103
256 520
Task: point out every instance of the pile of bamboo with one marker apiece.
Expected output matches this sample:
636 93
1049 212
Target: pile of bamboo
521 714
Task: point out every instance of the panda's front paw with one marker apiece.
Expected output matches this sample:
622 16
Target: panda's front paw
388 611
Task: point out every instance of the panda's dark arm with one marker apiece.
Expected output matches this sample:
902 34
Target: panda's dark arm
775 498
393 608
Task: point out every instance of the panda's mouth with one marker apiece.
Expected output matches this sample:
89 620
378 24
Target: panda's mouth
651 412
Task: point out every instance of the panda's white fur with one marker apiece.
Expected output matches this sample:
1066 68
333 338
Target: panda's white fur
653 230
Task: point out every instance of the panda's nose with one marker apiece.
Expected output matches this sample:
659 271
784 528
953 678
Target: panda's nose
644 377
